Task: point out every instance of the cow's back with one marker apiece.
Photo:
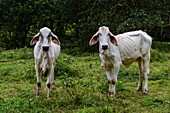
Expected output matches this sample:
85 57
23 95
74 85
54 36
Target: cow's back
132 45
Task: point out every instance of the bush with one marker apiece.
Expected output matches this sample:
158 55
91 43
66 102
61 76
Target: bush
64 68
156 55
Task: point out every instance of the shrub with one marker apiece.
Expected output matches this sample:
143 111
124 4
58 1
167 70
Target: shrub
156 55
64 68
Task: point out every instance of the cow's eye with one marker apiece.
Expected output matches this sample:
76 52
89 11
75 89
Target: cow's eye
99 34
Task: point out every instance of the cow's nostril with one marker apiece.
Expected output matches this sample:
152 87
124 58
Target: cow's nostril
104 47
45 48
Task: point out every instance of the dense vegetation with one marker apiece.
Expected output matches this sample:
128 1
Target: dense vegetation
81 84
75 21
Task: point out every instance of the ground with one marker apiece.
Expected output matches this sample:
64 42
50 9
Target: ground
81 85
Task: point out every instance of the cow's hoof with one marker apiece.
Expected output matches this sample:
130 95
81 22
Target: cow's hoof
48 96
139 88
38 91
111 94
53 87
145 91
37 95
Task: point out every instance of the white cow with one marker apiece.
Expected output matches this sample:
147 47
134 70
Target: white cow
123 49
46 51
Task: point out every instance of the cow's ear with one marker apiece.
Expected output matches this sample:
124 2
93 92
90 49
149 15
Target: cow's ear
113 39
94 39
35 39
55 39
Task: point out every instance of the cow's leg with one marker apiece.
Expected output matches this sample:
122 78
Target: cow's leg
52 81
112 78
112 83
140 66
39 74
49 81
146 72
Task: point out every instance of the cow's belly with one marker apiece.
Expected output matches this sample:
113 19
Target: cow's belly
128 59
128 62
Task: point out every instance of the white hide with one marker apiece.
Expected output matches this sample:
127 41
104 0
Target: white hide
128 47
45 60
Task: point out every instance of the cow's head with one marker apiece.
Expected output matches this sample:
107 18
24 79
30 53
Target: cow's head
103 36
46 37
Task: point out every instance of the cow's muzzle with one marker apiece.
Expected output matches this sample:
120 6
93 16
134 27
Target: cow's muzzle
104 47
45 48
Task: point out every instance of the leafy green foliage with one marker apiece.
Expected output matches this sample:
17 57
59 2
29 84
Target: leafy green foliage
74 22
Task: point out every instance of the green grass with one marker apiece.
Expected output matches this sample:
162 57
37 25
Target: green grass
81 85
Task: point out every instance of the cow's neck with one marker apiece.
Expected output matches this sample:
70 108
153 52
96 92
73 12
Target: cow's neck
45 59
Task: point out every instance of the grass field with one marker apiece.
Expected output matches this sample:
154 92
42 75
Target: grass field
81 85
